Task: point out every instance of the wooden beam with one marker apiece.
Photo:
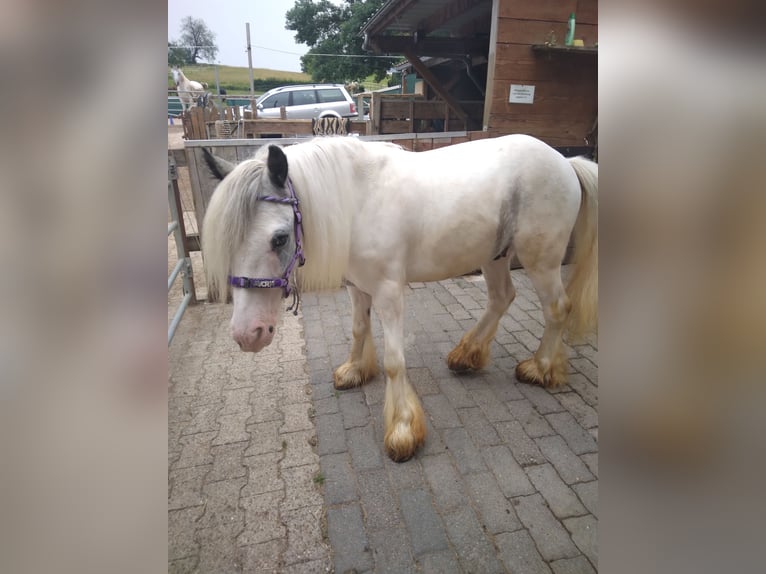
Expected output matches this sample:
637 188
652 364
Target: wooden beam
391 16
436 47
437 87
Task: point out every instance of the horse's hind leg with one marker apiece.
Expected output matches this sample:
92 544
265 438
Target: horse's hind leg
473 350
548 367
362 364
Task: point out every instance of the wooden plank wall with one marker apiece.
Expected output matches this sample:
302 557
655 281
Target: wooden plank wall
566 85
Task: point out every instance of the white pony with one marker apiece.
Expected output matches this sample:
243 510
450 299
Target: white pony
378 217
188 90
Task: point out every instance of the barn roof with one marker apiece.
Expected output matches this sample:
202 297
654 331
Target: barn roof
430 27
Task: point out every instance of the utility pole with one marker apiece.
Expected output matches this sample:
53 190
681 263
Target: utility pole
250 59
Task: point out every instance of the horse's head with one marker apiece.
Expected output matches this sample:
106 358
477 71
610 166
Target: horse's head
176 75
246 234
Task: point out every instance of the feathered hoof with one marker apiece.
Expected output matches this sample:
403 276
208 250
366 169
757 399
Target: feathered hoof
351 375
529 372
403 440
468 355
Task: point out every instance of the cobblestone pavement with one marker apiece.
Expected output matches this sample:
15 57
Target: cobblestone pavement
273 470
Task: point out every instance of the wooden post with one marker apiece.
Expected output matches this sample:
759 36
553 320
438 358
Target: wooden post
375 110
282 113
435 85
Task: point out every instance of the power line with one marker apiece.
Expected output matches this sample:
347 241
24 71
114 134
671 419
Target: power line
299 54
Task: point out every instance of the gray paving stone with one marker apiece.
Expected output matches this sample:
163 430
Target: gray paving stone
222 504
264 408
586 367
375 392
560 498
264 438
218 550
584 414
364 449
465 455
354 409
548 533
444 562
584 530
475 552
422 381
195 450
423 523
510 476
227 462
304 535
524 449
380 504
339 483
181 542
544 401
534 423
263 474
577 565
445 482
296 418
479 428
569 466
440 411
578 439
204 418
591 460
587 390
391 552
331 436
348 539
504 386
519 553
404 475
493 408
588 493
263 557
183 565
456 392
298 450
186 486
496 512
233 428
302 489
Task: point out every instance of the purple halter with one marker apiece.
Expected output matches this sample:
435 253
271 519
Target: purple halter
284 281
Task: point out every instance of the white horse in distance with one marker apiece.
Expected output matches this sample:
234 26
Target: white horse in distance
188 90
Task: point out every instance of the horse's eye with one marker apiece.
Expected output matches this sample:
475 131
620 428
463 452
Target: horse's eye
279 240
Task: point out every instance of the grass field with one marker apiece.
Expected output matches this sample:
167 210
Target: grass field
236 79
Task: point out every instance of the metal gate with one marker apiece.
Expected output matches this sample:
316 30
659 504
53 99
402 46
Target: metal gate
183 266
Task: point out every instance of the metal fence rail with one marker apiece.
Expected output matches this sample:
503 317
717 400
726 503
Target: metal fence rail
183 267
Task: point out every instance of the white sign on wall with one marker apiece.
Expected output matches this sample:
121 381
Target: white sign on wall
522 94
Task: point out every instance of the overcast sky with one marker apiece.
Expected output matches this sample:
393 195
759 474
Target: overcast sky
227 20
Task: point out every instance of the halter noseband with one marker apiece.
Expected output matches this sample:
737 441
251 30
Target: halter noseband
284 281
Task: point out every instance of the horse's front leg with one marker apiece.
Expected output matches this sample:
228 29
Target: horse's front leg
362 364
405 428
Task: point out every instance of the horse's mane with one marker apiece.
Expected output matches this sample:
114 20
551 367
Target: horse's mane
327 174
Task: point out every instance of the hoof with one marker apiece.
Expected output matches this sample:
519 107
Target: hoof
468 356
351 375
403 441
529 372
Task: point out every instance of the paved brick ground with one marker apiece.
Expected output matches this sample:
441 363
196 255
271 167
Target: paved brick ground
273 470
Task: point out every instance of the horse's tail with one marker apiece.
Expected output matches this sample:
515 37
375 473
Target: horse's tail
582 288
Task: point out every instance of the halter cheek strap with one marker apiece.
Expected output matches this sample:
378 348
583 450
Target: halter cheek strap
284 281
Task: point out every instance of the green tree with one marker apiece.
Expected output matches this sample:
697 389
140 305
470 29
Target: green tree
177 55
330 29
198 40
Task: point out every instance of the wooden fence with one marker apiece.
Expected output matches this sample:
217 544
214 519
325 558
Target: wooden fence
411 113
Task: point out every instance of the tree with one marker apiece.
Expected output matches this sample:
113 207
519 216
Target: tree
178 55
330 29
198 39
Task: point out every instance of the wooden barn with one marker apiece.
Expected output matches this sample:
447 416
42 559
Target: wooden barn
496 66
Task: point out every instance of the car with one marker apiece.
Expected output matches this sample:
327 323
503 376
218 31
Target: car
305 102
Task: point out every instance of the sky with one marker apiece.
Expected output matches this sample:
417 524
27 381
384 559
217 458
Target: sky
227 20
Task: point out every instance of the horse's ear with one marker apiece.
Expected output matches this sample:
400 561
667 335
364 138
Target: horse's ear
277 164
218 167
